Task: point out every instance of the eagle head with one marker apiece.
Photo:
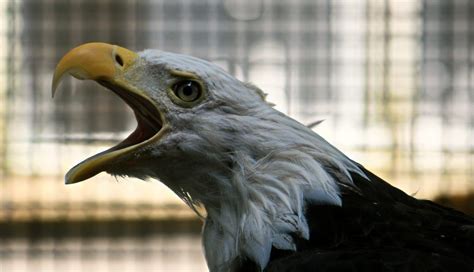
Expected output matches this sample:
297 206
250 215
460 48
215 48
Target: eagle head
217 144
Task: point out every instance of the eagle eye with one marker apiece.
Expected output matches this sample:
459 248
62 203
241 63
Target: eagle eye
187 90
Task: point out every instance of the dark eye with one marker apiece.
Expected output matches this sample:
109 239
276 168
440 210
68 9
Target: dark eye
187 90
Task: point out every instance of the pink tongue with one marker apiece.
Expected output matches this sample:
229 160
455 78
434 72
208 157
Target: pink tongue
142 133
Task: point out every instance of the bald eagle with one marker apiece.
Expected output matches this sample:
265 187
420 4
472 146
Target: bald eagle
276 195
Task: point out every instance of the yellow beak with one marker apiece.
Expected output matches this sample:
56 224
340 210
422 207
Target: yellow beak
95 61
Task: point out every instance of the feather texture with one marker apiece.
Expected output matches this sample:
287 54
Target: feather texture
277 195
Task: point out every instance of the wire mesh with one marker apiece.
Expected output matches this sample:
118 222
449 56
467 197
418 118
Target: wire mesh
393 81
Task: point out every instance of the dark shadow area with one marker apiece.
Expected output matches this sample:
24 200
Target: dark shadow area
34 230
464 203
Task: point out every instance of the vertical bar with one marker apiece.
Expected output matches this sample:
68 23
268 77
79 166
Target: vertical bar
386 86
366 80
5 28
10 75
470 124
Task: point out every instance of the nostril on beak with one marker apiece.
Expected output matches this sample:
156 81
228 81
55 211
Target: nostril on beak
119 60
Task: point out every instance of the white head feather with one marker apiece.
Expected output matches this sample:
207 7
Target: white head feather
251 167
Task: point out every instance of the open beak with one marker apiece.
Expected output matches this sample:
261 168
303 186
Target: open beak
106 64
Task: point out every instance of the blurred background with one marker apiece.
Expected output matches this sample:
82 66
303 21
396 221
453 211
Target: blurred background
392 79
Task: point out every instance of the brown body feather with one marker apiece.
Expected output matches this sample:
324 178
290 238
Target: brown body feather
380 228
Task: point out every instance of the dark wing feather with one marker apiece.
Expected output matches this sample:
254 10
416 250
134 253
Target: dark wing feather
380 228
